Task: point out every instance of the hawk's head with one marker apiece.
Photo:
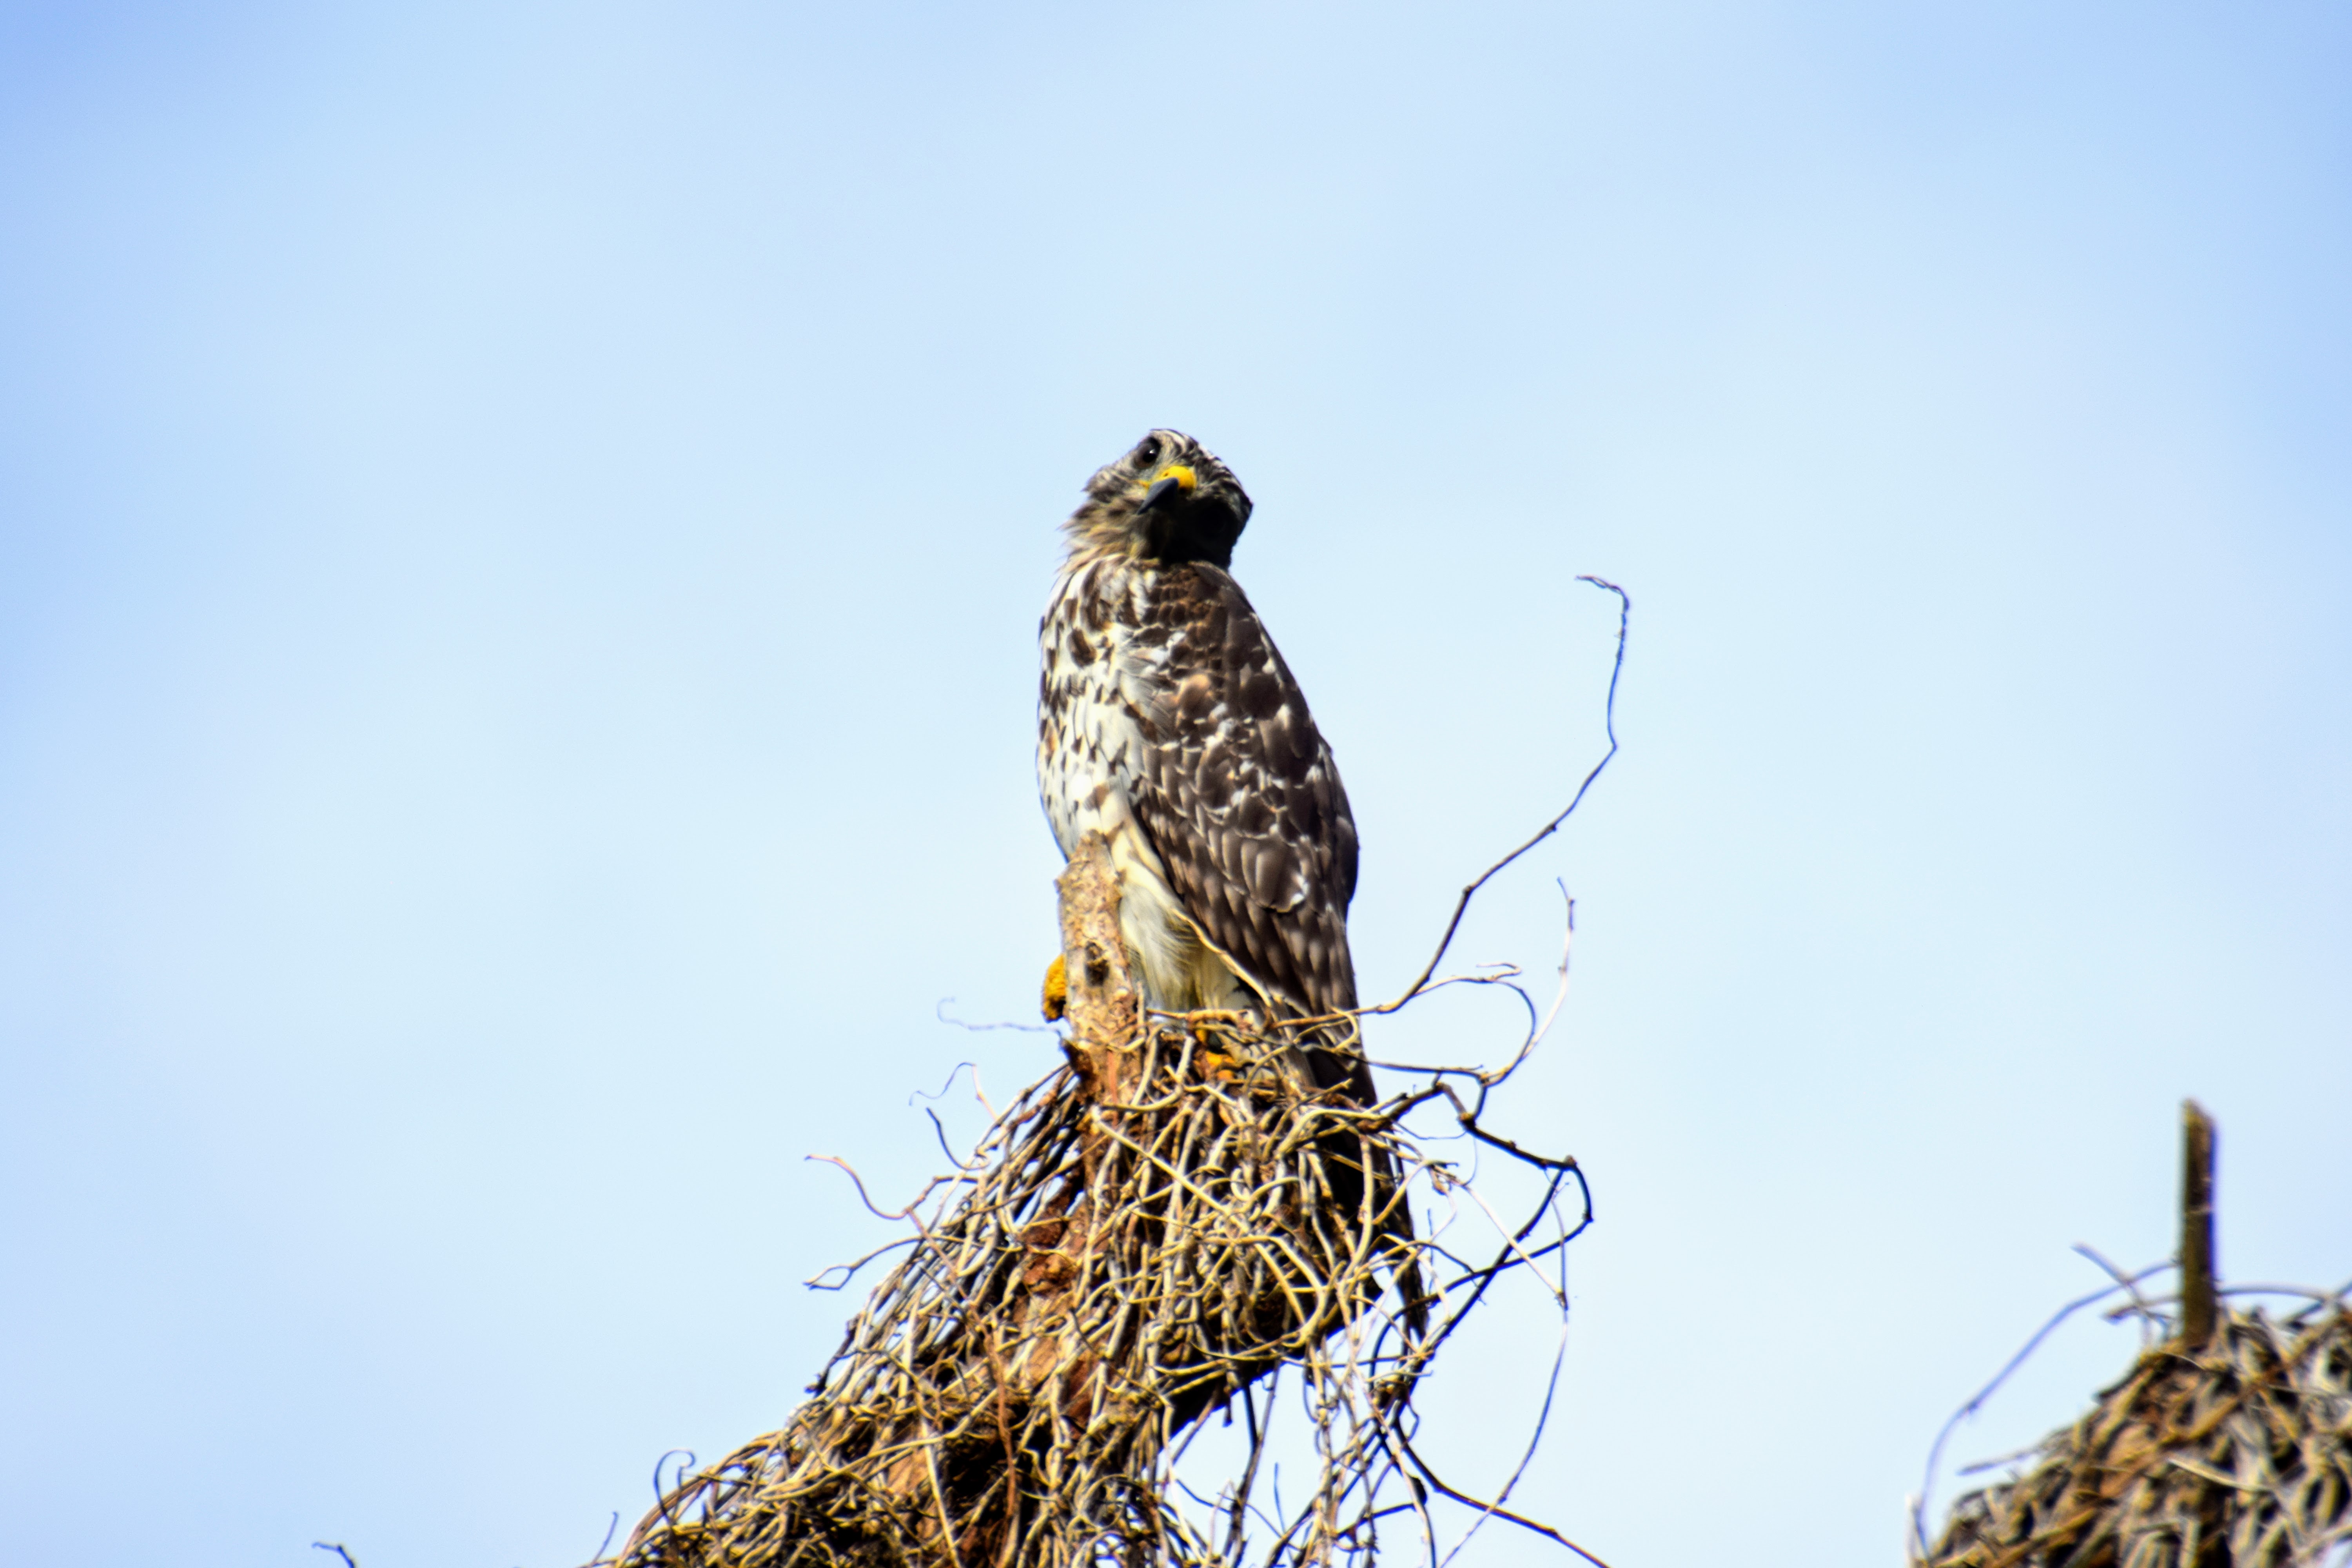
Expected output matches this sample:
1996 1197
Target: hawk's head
1168 500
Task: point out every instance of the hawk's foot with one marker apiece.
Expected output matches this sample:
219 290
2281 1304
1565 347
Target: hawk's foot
1207 1028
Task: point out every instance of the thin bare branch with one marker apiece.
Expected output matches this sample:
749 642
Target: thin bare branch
1462 905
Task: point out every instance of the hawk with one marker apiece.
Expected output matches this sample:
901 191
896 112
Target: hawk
1169 724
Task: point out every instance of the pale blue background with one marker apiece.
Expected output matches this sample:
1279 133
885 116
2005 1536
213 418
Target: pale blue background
520 532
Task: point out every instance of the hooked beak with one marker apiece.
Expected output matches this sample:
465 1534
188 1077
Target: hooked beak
1177 481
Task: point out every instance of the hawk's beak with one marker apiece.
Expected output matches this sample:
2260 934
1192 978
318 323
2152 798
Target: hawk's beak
1175 480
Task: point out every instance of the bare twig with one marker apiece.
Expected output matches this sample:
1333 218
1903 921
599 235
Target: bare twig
941 1013
871 1207
1462 905
2139 1306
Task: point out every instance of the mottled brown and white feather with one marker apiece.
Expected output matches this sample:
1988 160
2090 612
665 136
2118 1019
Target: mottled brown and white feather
1170 723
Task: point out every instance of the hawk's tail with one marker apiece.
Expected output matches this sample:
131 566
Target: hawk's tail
1391 1213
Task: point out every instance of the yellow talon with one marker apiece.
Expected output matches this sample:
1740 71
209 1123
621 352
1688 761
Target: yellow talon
1217 1065
1057 989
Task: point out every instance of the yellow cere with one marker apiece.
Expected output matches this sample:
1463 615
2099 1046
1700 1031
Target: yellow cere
1182 474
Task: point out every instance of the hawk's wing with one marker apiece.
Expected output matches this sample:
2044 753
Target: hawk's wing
1243 801
1241 798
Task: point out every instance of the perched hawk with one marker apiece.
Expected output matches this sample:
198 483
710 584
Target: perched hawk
1169 724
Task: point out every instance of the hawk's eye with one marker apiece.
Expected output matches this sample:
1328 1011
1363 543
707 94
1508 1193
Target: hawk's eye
1149 453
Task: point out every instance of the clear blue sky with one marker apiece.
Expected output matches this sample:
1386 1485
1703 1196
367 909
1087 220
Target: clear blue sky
520 537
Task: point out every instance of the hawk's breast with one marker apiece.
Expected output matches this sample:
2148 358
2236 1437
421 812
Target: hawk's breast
1169 724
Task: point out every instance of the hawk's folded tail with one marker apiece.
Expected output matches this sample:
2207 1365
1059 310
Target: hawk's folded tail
1391 1207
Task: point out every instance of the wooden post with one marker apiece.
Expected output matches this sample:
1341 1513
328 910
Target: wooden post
2199 1306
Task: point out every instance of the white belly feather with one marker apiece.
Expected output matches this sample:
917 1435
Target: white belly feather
1090 755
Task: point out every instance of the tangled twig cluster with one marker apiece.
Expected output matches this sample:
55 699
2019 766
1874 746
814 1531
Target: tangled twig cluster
1142 1239
2235 1452
2230 1442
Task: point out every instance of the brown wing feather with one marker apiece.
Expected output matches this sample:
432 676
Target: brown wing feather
1243 801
